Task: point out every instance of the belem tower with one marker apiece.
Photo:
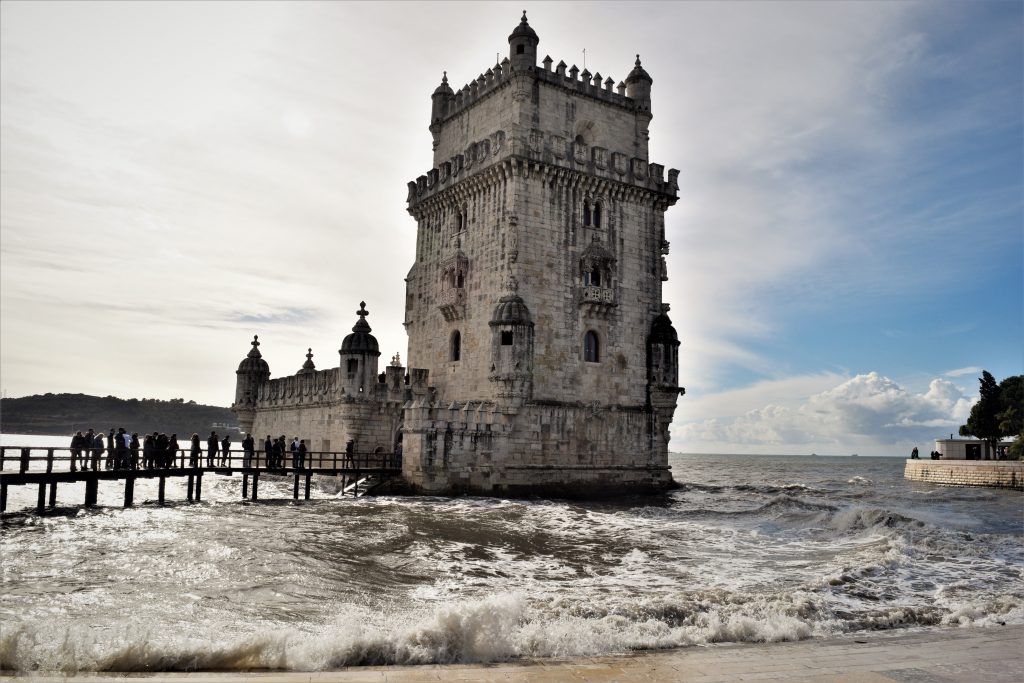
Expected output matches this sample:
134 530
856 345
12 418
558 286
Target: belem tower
541 357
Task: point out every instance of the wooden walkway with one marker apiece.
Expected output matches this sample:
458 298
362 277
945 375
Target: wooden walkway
48 467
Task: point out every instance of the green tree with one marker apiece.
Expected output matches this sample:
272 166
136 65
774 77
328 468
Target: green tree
1011 414
983 422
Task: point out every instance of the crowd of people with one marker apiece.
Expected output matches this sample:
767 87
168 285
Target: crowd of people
119 450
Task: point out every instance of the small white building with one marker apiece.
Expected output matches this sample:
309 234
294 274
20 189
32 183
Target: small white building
969 449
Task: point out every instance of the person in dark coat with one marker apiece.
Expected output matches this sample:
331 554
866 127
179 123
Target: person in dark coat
122 441
148 452
196 453
77 441
225 451
97 451
211 449
268 452
249 449
110 449
172 450
161 451
350 448
87 441
300 454
133 446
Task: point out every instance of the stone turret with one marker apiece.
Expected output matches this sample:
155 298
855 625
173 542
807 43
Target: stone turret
308 367
638 86
359 352
512 346
251 373
522 45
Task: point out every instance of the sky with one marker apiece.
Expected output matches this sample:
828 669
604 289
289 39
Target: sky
846 252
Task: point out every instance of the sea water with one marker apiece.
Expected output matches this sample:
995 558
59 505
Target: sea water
749 548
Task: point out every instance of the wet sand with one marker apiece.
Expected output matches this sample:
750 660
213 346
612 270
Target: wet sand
993 655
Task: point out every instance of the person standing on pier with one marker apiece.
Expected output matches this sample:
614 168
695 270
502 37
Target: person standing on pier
110 449
134 448
161 451
172 450
87 442
122 441
300 454
249 449
97 451
211 449
148 451
77 441
197 452
268 452
225 451
295 452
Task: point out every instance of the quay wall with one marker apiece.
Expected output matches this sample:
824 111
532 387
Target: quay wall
1007 474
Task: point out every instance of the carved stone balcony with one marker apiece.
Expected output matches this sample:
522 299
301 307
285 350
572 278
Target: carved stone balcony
452 303
597 301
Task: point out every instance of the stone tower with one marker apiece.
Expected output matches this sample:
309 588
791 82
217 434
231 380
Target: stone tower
535 301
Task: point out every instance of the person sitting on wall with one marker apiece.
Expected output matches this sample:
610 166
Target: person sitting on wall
914 454
936 455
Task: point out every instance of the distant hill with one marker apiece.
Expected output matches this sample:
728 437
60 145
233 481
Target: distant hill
68 413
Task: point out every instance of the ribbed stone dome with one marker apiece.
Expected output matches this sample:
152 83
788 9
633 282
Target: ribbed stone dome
638 73
361 341
523 30
444 88
511 311
253 363
662 331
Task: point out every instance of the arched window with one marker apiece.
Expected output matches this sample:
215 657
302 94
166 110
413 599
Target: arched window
456 346
586 213
591 347
597 215
458 279
592 278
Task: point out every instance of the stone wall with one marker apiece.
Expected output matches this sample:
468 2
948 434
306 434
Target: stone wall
997 474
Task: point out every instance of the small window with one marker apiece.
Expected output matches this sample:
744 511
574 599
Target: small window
591 348
506 338
592 278
597 215
586 214
456 346
352 367
459 280
520 49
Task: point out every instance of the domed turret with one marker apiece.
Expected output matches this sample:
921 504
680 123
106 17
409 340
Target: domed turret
252 372
663 354
307 367
360 341
439 100
512 346
522 44
359 352
638 86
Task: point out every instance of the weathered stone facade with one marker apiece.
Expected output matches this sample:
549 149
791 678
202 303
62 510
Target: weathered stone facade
546 359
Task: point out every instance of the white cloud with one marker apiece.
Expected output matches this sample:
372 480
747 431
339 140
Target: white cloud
867 413
960 372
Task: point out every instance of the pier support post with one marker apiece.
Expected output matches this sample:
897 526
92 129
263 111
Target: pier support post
191 486
308 477
199 486
160 490
295 489
41 503
53 494
245 486
25 459
129 491
3 497
91 491
255 483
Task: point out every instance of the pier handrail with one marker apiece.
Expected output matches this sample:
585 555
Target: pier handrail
61 458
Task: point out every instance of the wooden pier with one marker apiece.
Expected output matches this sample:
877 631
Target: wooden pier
48 467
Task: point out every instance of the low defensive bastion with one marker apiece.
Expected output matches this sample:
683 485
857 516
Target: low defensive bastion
1004 474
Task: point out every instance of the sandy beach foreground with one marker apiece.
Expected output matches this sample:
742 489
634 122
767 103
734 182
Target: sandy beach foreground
993 655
